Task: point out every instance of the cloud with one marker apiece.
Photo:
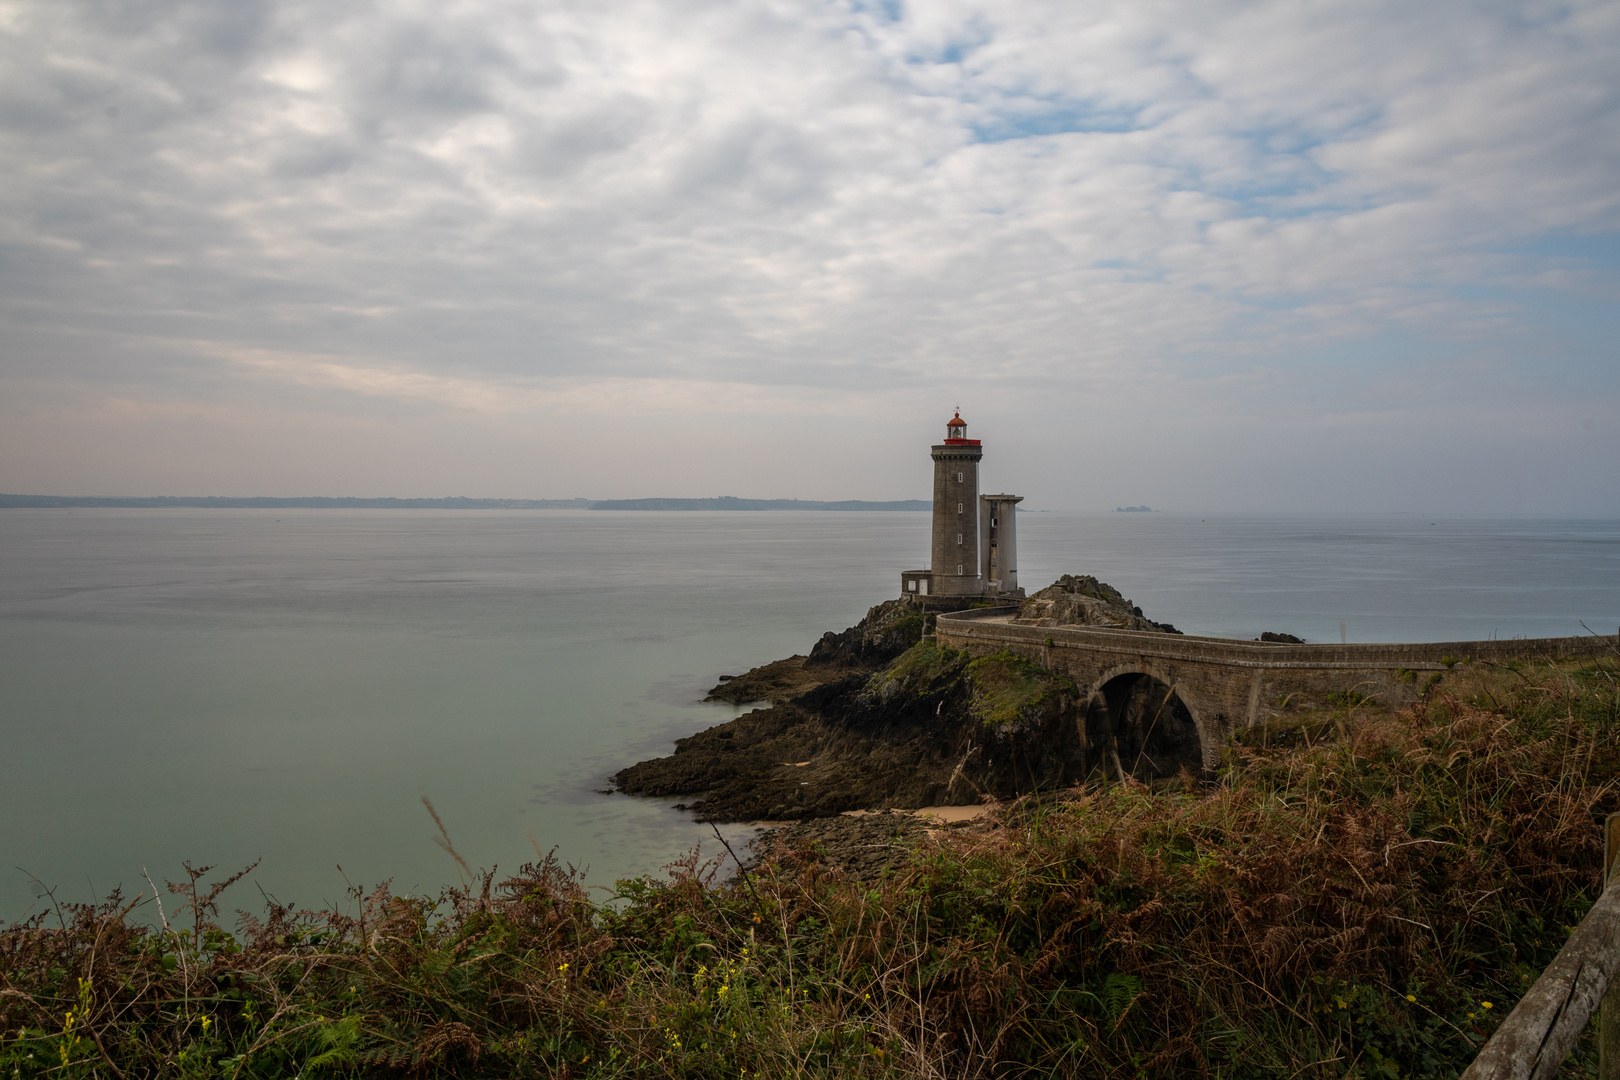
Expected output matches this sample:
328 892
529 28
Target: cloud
546 399
1235 212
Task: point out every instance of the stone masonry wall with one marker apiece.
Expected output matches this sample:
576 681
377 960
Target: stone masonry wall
956 514
1229 684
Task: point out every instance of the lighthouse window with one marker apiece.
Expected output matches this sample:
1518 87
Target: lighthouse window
958 569
958 538
958 508
958 478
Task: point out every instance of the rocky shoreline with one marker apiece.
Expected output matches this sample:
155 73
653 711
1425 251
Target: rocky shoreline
864 847
881 718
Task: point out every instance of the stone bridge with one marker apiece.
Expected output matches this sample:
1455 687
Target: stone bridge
1210 687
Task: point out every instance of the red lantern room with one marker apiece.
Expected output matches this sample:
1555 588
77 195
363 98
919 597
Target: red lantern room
956 432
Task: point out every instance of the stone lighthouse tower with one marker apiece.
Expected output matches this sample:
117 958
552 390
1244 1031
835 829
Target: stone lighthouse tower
959 567
956 512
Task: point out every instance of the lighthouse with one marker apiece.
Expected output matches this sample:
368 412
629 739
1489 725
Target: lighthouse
957 568
956 512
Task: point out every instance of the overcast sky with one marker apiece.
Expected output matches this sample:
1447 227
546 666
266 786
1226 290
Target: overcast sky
1358 256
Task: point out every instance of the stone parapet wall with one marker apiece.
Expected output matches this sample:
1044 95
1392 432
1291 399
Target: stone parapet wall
961 628
1228 684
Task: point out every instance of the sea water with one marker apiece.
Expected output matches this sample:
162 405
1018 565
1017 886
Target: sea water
224 686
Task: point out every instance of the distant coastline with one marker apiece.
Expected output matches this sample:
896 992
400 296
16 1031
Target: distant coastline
225 502
728 502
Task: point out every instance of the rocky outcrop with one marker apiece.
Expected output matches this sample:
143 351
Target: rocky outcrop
1085 601
880 716
888 630
931 727
777 682
961 729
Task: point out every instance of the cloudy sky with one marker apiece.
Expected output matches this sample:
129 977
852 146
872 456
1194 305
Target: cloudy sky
1357 255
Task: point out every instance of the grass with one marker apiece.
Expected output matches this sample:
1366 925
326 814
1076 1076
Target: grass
1004 689
924 669
1367 904
1009 689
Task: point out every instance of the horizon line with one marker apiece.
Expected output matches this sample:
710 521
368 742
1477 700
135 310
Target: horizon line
723 502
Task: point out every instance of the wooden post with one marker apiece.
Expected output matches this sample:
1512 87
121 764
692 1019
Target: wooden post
1544 1027
1609 1014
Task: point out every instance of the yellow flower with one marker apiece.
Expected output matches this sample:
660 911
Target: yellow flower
1411 997
1470 1016
1485 1005
562 967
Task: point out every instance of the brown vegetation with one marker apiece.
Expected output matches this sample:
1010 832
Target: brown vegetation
1364 900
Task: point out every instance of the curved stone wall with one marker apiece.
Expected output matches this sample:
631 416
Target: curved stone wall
1228 684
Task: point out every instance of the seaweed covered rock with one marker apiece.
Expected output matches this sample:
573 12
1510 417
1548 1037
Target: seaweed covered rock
1084 601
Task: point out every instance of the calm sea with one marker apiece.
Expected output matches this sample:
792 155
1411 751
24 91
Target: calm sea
224 686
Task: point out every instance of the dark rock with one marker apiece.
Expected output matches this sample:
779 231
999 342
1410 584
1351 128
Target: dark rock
778 681
876 716
840 747
865 847
888 630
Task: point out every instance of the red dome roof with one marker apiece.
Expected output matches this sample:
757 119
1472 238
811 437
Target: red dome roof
955 429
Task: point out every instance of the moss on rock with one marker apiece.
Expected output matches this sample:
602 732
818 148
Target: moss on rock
1008 689
924 670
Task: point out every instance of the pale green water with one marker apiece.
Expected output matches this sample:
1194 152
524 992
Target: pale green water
224 685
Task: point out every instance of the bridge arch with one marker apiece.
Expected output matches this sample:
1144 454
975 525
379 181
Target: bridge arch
1227 684
1139 721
